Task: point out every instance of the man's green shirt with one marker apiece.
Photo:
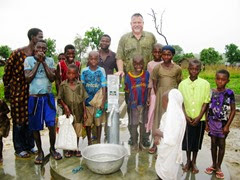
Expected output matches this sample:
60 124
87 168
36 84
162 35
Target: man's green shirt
129 46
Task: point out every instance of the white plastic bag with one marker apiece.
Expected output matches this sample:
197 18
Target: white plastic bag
67 138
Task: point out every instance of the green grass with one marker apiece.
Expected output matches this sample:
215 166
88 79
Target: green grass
1 71
208 74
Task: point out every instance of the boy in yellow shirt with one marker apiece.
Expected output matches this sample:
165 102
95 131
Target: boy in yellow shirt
196 94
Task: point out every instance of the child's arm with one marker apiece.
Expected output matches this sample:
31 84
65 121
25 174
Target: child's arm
50 72
148 96
84 111
155 86
67 111
58 78
157 136
199 117
207 126
179 76
159 133
188 119
231 116
30 74
104 97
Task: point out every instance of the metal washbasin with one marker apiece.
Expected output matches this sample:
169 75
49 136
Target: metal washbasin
104 158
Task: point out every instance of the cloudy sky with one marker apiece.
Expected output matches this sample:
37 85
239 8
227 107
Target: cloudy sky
192 24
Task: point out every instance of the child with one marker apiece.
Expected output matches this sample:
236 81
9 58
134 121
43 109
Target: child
219 120
4 125
61 56
72 95
40 73
62 66
171 131
156 52
196 94
165 76
94 80
136 84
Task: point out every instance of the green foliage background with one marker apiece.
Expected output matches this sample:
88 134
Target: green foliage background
210 56
5 51
232 53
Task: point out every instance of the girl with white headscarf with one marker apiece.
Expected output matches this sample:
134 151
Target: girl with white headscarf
171 132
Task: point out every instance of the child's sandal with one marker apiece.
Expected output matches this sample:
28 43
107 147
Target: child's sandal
56 155
209 170
68 154
23 154
219 174
39 159
78 154
152 150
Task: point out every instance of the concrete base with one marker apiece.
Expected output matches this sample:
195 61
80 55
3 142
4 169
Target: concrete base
137 165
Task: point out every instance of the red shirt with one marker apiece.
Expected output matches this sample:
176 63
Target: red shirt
63 69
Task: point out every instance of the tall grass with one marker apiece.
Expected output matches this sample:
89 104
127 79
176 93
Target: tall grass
209 75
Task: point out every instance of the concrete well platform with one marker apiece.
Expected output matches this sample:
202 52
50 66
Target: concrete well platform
137 165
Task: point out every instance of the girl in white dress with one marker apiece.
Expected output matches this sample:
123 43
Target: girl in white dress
171 133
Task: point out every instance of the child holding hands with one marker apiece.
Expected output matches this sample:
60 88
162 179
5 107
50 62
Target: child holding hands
71 96
219 120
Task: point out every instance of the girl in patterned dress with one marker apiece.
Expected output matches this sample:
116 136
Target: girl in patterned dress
220 115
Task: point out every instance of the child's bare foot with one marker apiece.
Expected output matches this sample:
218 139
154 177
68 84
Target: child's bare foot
194 169
187 167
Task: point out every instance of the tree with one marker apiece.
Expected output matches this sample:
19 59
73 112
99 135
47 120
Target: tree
51 47
178 49
232 53
92 37
178 58
158 27
5 52
81 46
210 56
188 56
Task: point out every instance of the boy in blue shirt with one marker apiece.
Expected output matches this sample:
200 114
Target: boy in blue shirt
40 73
94 80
